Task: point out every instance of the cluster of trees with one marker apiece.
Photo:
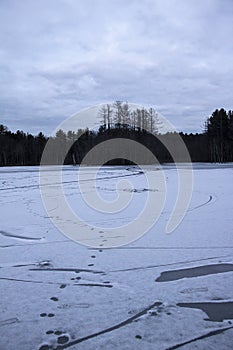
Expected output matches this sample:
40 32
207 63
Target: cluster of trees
215 144
219 129
20 148
118 115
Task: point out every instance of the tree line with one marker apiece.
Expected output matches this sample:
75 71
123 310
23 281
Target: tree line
20 148
214 144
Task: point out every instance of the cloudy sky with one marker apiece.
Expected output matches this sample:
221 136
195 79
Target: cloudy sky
59 56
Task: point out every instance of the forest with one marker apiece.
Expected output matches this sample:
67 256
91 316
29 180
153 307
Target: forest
117 120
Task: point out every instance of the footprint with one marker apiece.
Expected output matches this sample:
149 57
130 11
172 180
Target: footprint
43 314
93 256
138 336
54 298
75 278
45 347
49 331
58 332
90 264
44 263
62 339
153 313
63 286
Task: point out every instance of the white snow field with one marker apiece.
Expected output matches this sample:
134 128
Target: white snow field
162 291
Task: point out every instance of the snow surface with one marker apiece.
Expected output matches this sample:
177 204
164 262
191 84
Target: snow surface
57 294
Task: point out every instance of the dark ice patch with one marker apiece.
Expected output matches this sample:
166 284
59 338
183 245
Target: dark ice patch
198 271
216 311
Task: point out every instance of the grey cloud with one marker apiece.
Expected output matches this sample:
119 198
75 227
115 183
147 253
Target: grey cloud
59 56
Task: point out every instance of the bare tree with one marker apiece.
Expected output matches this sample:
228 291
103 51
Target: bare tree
103 115
109 116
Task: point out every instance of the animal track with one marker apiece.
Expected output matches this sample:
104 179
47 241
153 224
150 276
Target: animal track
43 314
62 339
75 278
138 336
58 332
54 298
45 347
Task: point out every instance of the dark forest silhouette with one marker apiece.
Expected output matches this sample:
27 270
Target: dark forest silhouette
214 144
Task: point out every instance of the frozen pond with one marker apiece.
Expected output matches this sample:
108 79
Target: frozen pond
162 291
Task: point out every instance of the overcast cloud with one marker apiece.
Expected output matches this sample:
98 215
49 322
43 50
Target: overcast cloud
59 56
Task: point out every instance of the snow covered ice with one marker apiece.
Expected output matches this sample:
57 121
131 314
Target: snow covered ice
158 292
